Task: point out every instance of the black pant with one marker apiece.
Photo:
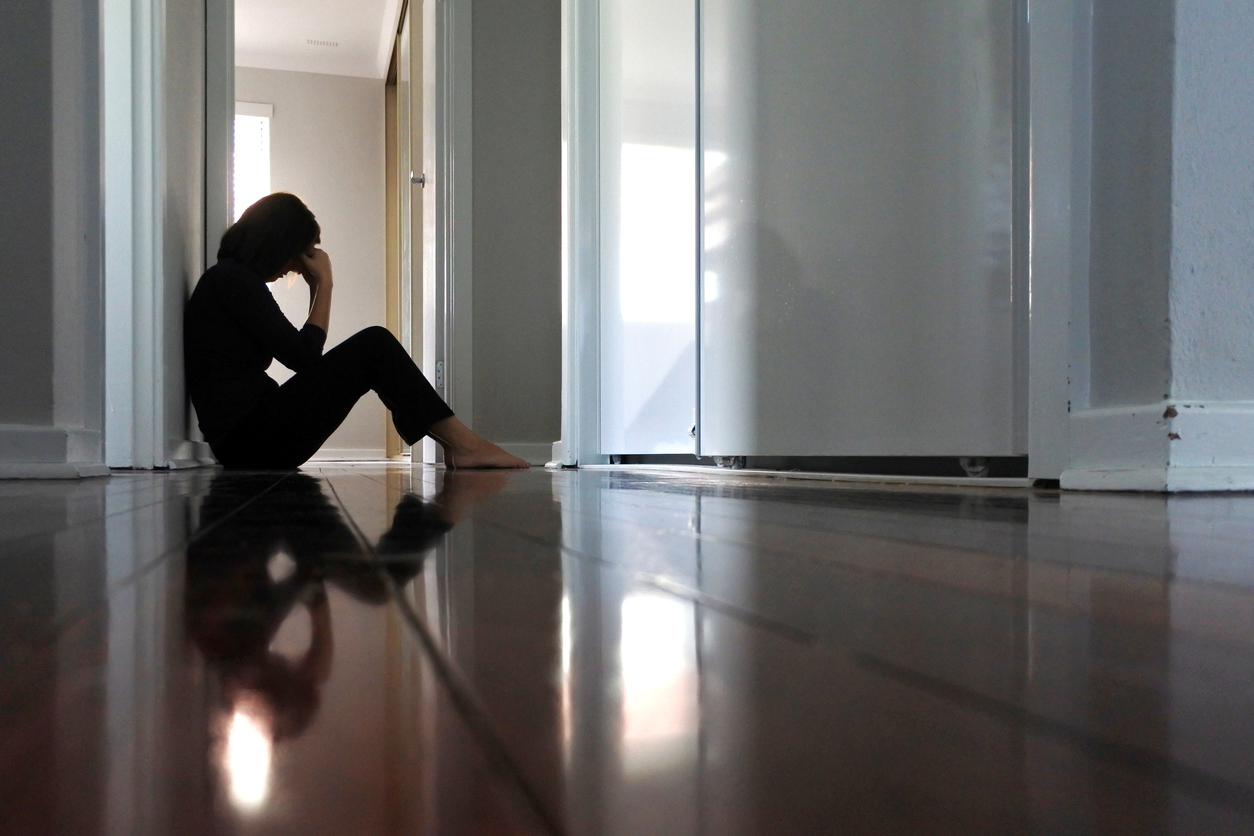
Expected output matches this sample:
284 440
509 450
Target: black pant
291 423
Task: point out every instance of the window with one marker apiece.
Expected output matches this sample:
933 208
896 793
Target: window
252 154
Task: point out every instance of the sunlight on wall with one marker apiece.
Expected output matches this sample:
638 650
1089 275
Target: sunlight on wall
252 161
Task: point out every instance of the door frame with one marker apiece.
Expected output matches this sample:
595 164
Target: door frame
447 302
148 423
581 225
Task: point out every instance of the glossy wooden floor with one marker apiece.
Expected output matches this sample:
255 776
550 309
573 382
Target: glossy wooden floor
369 650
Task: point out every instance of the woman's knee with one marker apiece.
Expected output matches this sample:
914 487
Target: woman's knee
374 334
375 339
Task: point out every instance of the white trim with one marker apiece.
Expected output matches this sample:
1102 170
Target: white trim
1162 479
580 235
1169 446
1119 438
448 207
254 109
350 454
860 478
38 444
134 178
1060 115
67 470
190 454
534 453
1213 434
219 124
433 209
457 66
387 37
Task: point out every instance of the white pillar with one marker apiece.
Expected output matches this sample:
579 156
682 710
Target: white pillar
51 366
1163 398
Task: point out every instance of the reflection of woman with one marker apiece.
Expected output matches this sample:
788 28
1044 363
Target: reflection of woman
239 592
233 330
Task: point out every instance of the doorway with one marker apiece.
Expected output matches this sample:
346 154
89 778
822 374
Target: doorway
405 181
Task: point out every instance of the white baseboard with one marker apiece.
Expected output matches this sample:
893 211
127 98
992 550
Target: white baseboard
1161 479
350 454
1120 438
47 452
557 458
534 453
38 444
191 454
863 478
52 470
1165 447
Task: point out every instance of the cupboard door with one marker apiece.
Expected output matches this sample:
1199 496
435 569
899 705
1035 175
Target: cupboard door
648 232
857 293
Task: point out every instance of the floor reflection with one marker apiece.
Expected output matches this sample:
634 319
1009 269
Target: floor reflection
246 573
273 604
385 650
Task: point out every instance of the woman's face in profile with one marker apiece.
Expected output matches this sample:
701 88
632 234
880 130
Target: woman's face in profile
295 264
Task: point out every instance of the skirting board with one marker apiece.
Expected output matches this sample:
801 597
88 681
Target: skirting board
537 454
39 444
1161 479
861 478
191 454
52 470
350 454
1171 446
48 452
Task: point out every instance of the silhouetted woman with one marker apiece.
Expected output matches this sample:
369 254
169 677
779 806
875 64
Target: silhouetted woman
233 329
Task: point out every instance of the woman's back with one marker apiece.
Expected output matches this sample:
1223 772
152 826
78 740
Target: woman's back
232 330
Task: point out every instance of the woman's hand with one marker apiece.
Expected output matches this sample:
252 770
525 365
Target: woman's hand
315 268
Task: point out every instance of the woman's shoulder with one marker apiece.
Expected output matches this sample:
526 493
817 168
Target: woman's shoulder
227 276
227 270
224 289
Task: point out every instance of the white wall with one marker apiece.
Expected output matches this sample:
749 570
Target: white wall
1131 210
517 224
51 372
184 211
327 147
1212 299
1170 304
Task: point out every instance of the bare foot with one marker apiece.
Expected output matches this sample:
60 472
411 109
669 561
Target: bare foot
463 449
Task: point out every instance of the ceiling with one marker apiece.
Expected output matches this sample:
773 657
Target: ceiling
277 35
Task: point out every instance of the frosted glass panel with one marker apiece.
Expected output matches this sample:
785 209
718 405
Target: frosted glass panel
648 226
857 291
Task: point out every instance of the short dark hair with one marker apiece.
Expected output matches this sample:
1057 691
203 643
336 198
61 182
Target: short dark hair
269 234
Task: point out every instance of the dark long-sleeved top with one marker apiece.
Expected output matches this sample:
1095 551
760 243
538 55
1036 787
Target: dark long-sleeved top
232 330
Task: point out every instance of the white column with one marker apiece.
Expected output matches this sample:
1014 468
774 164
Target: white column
1170 362
51 374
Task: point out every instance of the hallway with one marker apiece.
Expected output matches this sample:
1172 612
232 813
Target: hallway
619 652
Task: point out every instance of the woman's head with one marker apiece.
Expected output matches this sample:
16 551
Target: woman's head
269 234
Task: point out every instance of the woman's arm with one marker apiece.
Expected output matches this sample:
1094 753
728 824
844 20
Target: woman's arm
256 312
316 272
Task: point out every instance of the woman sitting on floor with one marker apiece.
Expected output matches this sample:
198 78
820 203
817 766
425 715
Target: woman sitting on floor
233 329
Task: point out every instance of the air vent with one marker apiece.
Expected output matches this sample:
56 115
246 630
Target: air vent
312 42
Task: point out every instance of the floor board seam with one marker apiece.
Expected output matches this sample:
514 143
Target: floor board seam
476 717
